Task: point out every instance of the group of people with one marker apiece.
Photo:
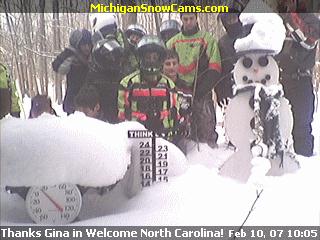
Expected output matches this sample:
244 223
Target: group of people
167 82
163 82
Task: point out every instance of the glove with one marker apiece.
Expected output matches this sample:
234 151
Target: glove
224 92
184 128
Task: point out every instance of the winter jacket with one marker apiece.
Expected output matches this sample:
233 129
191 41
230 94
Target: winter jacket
107 84
228 59
6 83
198 51
155 107
72 63
295 62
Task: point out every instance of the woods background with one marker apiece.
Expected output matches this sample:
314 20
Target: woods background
29 43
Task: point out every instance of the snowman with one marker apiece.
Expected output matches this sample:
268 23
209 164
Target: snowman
258 119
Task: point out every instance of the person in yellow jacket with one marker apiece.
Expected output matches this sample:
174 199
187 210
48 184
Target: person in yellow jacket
200 69
146 95
9 95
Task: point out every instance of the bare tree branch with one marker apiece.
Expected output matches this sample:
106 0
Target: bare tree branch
250 211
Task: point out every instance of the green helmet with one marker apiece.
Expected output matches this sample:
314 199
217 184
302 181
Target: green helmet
151 53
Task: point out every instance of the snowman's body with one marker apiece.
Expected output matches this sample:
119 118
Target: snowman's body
252 72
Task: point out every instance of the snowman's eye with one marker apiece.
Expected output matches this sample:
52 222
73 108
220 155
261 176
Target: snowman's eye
247 62
245 78
263 61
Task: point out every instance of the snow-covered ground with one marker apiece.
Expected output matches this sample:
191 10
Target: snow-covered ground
200 196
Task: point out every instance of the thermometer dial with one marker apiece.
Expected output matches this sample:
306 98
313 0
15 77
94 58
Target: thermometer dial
58 204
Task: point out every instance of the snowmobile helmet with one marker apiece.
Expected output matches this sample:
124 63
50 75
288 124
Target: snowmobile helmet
304 28
135 29
104 23
151 52
168 29
107 55
80 37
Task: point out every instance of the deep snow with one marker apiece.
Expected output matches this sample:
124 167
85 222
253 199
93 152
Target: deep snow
202 197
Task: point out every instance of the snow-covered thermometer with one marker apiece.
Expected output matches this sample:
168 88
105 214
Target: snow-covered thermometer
58 204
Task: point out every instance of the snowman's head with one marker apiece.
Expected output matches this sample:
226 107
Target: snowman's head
256 68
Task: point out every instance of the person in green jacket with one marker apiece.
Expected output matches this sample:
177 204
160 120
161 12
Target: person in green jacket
146 95
9 94
200 69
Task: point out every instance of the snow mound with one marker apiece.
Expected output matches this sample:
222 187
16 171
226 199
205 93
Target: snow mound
75 149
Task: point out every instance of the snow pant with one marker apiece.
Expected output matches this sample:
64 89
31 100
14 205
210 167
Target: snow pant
299 92
4 102
68 103
203 122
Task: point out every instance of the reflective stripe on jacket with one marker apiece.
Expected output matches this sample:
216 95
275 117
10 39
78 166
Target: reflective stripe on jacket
192 49
139 102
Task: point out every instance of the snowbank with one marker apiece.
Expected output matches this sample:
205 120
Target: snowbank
75 149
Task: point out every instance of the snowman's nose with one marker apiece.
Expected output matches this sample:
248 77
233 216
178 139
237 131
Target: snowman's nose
255 70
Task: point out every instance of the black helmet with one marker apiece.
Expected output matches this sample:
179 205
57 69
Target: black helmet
136 29
151 44
107 54
304 28
168 29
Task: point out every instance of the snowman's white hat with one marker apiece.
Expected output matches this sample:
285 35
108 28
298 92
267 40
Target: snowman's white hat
267 34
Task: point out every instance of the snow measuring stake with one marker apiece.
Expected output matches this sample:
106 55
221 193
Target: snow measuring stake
153 157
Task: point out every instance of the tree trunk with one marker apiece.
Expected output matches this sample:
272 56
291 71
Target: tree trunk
14 45
32 76
43 59
157 23
56 46
127 19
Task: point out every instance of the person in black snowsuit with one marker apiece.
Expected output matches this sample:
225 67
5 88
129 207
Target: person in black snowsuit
105 74
296 61
73 62
234 30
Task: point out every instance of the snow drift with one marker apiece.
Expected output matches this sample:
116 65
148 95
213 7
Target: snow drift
75 149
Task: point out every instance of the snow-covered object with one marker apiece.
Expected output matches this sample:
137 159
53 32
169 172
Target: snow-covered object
257 81
267 34
49 150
